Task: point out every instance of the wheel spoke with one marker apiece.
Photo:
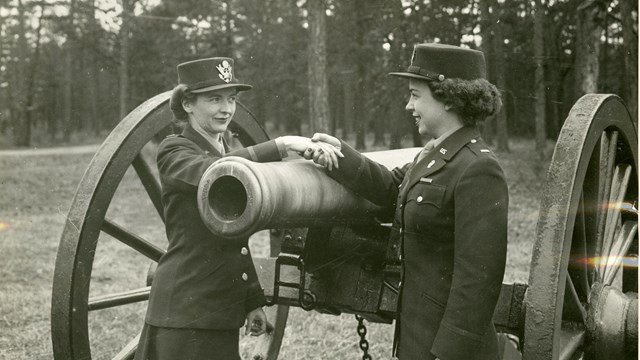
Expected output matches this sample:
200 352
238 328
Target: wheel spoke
150 183
570 340
591 208
619 250
573 309
579 268
608 219
132 240
129 351
608 144
619 186
123 298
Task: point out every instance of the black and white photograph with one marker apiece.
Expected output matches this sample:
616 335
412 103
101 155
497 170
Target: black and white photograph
319 179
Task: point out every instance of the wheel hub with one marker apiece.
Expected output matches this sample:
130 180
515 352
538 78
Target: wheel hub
612 322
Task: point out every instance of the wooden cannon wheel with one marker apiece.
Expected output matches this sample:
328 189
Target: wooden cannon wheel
73 285
582 301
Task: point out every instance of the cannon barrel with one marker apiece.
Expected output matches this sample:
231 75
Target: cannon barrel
237 197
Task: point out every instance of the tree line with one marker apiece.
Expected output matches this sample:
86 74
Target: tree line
75 68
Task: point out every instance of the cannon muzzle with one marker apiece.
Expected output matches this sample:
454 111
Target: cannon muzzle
238 197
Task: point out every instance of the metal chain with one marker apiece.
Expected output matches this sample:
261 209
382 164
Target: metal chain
364 344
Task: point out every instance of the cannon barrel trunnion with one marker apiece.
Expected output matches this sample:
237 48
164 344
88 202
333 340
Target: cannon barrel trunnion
329 249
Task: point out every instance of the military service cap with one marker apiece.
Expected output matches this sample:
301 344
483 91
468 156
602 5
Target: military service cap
440 61
209 74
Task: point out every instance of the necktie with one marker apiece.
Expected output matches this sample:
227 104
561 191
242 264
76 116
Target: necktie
428 147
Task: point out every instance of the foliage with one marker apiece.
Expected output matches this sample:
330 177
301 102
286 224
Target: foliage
77 83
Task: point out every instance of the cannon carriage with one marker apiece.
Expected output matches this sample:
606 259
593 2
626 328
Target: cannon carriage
572 306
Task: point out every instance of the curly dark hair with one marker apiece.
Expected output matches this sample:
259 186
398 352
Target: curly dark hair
473 100
180 93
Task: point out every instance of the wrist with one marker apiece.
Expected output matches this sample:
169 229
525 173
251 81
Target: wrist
283 146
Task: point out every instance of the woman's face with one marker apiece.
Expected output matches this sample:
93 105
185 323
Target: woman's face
212 111
428 112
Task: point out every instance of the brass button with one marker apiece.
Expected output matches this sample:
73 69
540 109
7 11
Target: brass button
244 251
419 199
245 277
473 141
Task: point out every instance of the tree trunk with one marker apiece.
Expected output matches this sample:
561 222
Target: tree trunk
553 80
127 8
380 124
228 33
67 95
3 95
360 76
487 25
501 83
588 31
630 38
540 97
317 68
28 119
18 115
348 103
92 73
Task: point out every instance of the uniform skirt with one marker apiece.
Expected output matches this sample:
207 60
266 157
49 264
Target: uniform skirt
158 343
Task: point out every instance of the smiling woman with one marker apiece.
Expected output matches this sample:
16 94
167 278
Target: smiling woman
204 288
451 202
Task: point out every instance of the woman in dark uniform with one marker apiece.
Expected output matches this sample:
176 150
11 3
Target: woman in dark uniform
204 288
450 209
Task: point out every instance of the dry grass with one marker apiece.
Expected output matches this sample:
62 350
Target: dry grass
35 196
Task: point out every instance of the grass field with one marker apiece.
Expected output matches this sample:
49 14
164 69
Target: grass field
36 192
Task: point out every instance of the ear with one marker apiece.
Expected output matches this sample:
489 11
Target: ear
187 106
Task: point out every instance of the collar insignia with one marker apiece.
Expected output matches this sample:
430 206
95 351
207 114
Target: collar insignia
443 151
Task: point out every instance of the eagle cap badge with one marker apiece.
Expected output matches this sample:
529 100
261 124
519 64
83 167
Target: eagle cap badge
225 70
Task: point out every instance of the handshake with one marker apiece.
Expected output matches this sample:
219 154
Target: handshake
323 149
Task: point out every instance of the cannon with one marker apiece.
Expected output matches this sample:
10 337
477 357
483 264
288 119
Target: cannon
572 306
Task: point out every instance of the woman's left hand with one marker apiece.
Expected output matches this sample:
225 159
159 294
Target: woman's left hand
256 322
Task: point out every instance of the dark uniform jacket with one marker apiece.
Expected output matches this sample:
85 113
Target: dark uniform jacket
451 222
203 281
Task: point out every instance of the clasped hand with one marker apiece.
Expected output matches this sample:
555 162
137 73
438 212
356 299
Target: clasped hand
323 149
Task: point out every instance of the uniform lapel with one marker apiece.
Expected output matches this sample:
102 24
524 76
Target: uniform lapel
437 158
189 133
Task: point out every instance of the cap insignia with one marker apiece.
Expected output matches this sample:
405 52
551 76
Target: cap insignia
440 77
225 70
